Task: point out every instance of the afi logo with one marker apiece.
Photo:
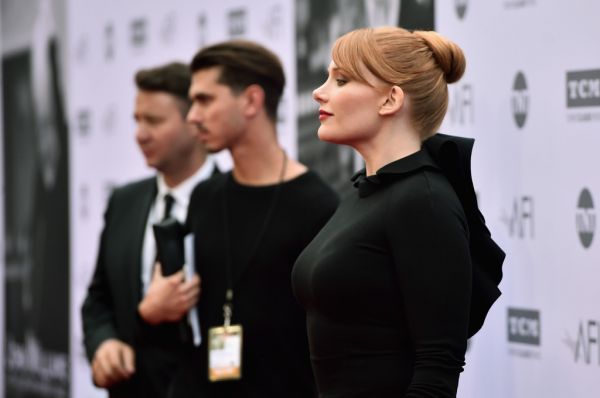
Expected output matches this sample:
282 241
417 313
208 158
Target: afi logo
274 22
202 30
109 119
168 27
461 8
82 49
461 107
521 221
524 326
109 42
520 100
585 347
585 218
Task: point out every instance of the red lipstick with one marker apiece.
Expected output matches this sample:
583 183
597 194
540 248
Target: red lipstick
324 115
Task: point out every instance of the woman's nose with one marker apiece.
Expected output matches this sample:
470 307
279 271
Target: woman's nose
318 94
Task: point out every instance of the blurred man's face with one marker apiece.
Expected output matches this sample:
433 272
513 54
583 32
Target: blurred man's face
216 111
163 135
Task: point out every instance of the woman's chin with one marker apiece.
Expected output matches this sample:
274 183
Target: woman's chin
326 136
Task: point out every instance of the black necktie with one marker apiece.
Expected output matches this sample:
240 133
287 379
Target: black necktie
169 201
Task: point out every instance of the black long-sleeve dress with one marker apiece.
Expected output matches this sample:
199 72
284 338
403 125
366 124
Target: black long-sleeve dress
387 286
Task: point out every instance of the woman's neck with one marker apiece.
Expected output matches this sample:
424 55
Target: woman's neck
387 146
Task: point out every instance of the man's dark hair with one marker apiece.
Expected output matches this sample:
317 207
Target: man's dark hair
173 78
242 64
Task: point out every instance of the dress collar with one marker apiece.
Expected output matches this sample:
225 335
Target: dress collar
368 184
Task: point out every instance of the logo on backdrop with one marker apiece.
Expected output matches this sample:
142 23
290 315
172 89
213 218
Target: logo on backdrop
461 107
512 4
520 219
273 23
520 99
583 95
461 8
585 218
138 33
109 42
524 326
109 119
82 49
584 347
202 24
281 111
524 332
84 122
168 27
237 22
84 201
107 189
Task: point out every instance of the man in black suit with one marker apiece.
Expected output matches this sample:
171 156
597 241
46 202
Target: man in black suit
132 314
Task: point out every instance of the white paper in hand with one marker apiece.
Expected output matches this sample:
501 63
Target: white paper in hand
188 248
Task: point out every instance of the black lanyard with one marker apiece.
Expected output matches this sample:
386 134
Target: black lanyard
227 307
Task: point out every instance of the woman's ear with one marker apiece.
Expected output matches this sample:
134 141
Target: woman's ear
254 100
393 102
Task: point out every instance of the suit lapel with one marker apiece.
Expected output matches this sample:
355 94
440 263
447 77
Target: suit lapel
138 220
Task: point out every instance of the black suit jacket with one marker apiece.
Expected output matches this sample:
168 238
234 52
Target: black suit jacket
110 308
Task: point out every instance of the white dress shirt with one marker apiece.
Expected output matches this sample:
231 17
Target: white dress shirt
181 193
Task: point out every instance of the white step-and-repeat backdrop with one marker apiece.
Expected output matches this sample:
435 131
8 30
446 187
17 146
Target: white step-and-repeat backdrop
108 43
530 97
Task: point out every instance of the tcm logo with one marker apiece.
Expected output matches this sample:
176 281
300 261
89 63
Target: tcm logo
585 218
237 22
524 326
461 8
520 100
461 107
520 221
138 32
583 88
585 347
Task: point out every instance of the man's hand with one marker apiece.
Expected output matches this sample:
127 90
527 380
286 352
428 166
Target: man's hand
169 298
114 361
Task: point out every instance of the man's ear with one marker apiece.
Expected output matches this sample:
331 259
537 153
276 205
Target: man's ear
393 102
254 100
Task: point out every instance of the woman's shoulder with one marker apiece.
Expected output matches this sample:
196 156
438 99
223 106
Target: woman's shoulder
422 190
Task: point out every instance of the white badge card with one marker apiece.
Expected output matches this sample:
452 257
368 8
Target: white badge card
225 353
